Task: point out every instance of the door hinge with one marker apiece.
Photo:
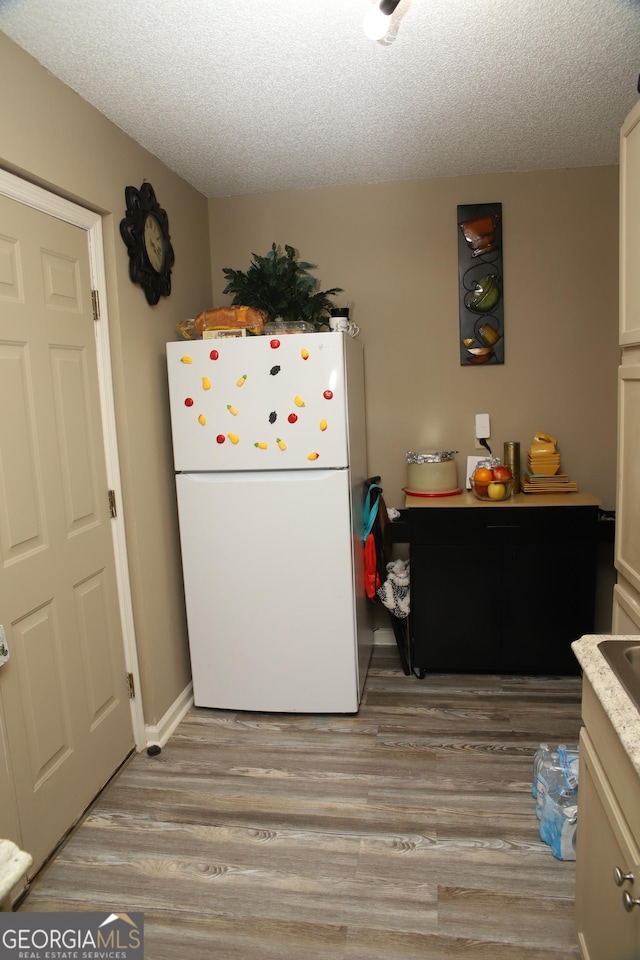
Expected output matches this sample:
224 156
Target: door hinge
113 512
131 686
95 304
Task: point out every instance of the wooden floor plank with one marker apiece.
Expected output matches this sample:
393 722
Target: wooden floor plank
405 832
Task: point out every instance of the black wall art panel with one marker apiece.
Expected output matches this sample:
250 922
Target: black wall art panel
480 284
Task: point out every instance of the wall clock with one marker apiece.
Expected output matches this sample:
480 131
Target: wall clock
145 231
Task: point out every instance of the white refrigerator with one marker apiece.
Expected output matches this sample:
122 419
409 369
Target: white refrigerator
270 458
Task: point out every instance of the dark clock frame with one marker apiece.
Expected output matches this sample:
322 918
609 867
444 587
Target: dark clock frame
139 205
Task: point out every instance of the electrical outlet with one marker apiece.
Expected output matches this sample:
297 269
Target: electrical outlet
482 430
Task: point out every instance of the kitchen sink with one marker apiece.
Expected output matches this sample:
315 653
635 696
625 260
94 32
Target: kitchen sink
624 659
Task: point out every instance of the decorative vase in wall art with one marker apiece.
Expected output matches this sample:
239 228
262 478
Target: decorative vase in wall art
480 284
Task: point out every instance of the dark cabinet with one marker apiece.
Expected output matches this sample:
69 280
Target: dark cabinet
501 589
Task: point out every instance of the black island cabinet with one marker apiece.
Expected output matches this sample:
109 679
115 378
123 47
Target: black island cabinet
500 588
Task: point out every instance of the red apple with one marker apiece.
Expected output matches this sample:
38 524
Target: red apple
501 472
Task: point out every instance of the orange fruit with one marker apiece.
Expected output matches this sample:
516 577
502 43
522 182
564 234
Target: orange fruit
482 476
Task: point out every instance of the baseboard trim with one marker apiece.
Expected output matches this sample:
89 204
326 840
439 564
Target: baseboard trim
384 637
160 732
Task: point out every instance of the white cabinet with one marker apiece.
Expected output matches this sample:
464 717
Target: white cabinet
629 234
606 931
608 842
608 838
627 554
626 602
626 611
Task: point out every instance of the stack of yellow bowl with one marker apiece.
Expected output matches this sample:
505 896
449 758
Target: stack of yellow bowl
543 455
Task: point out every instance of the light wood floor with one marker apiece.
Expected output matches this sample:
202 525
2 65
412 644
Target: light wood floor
407 832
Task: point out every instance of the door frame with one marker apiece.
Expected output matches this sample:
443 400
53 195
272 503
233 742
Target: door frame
15 188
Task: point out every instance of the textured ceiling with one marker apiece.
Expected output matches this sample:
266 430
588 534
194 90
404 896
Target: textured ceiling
244 96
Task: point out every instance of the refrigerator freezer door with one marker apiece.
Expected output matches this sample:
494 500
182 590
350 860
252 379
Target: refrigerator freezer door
259 403
269 585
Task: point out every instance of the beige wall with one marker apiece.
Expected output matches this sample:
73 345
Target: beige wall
393 248
52 137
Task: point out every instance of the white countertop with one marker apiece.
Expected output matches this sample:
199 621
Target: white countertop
615 700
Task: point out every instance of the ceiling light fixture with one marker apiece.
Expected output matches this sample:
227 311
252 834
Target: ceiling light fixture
377 20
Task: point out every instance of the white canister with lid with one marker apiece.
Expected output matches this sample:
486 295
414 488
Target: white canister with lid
432 472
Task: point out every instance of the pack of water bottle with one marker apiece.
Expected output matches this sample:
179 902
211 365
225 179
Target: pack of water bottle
555 789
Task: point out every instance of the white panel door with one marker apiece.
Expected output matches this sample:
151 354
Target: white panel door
63 691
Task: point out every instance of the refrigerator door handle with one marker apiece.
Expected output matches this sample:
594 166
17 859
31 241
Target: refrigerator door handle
261 476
